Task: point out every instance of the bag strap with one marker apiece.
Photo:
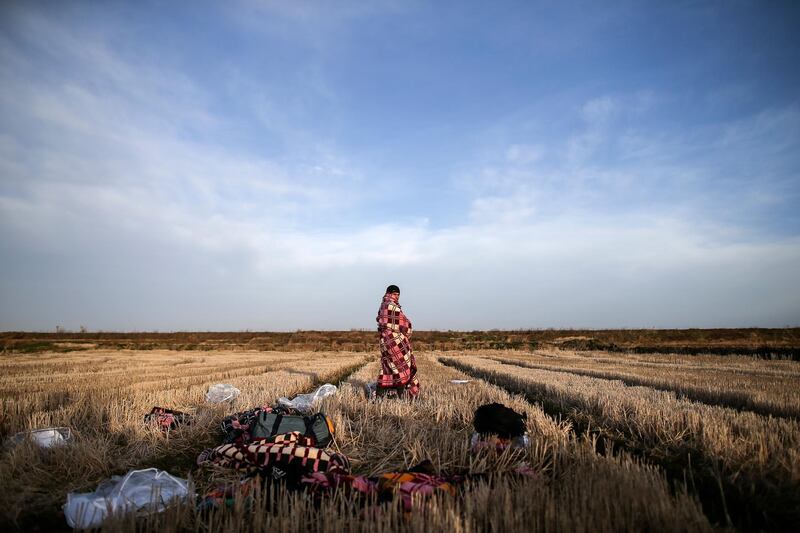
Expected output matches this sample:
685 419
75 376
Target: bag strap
309 421
276 425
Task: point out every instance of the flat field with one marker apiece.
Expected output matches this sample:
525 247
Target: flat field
769 343
619 441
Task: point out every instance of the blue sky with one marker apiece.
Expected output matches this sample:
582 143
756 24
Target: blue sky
274 165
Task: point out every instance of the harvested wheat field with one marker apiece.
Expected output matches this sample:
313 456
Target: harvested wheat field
617 442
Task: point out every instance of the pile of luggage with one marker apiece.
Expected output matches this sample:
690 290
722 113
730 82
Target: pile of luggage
276 443
288 444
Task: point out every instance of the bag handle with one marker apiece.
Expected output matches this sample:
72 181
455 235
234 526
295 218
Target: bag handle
276 425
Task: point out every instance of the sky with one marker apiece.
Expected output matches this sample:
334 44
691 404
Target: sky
271 165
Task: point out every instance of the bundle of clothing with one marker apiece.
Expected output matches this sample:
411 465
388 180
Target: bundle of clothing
421 480
166 419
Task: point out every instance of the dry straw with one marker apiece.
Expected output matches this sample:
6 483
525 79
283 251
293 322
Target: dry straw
103 396
743 465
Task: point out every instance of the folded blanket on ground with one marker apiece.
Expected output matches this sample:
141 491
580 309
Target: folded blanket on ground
286 457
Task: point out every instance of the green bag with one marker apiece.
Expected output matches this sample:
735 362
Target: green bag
318 426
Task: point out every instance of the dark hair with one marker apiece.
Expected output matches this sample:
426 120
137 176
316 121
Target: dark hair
392 288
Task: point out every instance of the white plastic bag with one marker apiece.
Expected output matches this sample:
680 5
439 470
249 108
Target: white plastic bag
45 437
222 392
305 402
149 490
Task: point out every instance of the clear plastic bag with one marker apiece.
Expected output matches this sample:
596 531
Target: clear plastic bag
45 437
222 392
148 490
305 402
479 442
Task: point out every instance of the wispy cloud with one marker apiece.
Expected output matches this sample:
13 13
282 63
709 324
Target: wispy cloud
114 136
620 160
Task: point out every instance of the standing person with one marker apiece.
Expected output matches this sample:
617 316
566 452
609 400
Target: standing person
398 366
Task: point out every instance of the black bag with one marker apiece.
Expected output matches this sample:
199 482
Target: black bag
497 419
318 426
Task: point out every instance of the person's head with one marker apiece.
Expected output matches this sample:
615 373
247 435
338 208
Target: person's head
393 289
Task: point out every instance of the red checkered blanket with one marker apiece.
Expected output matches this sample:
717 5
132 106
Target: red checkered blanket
287 456
398 366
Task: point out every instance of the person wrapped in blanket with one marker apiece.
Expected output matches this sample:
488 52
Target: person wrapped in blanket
398 375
